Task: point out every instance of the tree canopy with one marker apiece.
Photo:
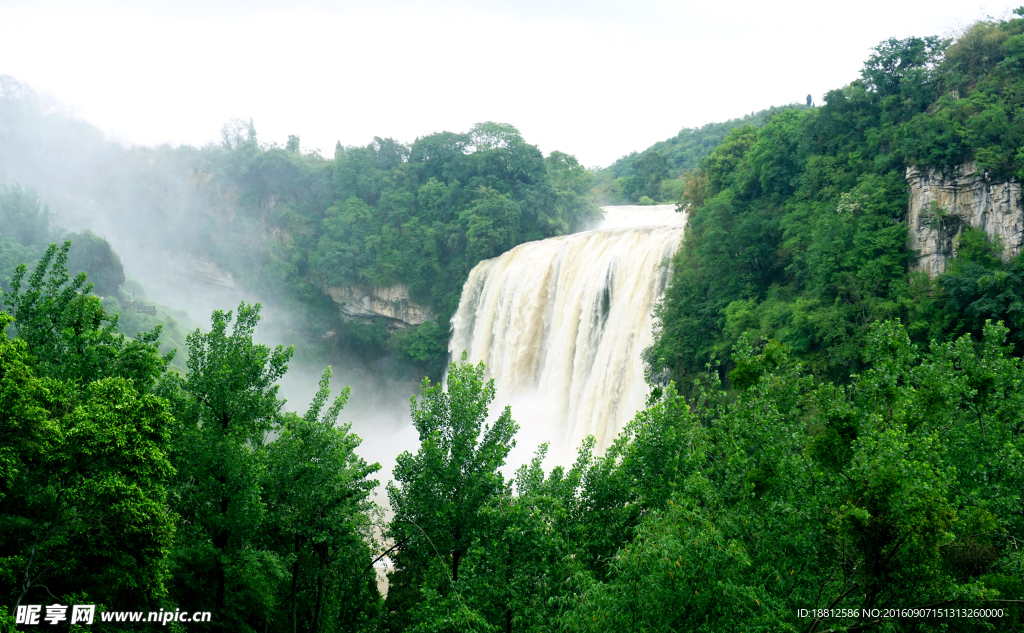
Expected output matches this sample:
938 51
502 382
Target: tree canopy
797 229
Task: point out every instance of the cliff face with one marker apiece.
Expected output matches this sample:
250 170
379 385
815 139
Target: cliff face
944 202
389 302
207 272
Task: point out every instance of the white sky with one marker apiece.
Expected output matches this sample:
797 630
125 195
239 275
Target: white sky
597 79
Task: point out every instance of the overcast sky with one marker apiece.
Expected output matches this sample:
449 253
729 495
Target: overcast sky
597 79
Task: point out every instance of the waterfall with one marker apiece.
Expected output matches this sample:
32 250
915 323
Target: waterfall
561 323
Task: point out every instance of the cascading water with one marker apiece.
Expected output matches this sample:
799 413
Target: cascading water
561 323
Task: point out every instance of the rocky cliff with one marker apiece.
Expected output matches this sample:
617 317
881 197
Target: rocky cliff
944 202
389 302
205 271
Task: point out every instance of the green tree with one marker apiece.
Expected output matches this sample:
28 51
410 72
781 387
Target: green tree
851 497
651 167
491 224
515 572
70 335
574 207
903 67
22 217
683 153
26 227
439 493
85 457
92 254
224 408
319 509
87 515
978 289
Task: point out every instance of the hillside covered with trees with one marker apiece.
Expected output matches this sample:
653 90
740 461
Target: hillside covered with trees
827 431
140 490
797 230
657 173
420 215
288 224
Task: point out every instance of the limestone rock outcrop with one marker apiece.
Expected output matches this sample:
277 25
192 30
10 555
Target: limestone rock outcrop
207 272
945 202
388 302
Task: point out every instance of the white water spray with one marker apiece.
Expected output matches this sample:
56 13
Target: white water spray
561 324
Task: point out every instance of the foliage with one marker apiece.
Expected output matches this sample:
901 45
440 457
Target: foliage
224 408
622 182
979 288
735 511
439 493
319 513
24 232
420 214
175 325
515 571
25 229
268 527
90 514
860 448
377 216
11 255
975 114
797 229
92 254
650 169
290 223
85 451
22 218
106 498
424 344
68 332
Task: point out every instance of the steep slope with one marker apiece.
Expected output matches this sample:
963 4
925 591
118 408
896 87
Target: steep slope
656 172
809 229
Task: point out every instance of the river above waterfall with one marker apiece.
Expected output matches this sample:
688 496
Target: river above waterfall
561 325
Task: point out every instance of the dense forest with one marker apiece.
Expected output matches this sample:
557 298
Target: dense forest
827 431
27 228
289 225
421 215
797 230
657 173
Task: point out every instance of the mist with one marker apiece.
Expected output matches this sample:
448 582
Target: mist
155 72
167 230
151 205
